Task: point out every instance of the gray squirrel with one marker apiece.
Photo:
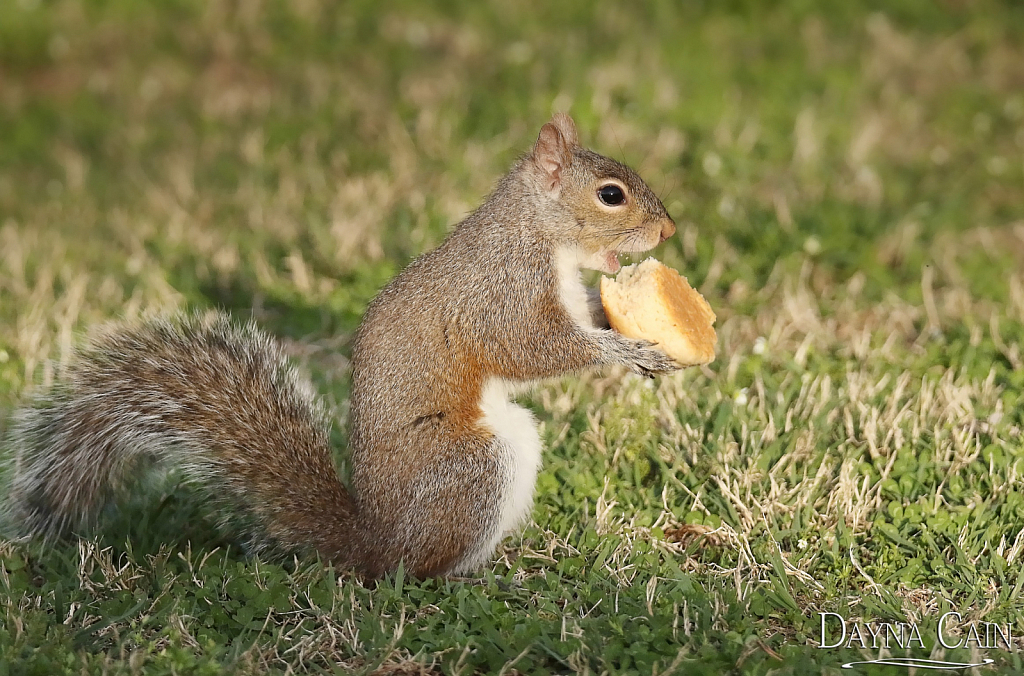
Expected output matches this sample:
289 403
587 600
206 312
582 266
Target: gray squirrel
443 463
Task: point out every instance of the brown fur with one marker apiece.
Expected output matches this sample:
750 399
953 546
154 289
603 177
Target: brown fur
432 479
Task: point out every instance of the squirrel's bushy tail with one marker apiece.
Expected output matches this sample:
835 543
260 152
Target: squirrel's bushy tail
218 402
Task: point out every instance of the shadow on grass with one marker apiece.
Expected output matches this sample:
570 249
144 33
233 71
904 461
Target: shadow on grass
164 514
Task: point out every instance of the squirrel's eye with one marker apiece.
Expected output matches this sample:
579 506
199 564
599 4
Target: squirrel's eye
611 195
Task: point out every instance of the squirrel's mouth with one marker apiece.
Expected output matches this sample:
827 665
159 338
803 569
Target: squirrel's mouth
607 260
611 262
602 260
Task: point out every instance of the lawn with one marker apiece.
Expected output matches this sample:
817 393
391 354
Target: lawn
848 181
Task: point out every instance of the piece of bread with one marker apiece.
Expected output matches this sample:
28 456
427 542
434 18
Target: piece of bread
653 302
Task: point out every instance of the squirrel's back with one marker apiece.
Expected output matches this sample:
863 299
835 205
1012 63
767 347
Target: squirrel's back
217 401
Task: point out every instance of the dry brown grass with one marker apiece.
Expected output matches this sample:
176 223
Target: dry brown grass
285 181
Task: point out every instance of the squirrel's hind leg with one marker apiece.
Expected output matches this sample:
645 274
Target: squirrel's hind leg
516 450
458 503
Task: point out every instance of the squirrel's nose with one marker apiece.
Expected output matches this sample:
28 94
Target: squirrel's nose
668 228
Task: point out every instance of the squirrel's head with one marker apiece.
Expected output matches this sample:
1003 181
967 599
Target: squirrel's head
610 210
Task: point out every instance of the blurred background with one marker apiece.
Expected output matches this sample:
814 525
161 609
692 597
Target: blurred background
255 154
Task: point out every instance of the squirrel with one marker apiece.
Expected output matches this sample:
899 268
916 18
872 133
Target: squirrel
443 463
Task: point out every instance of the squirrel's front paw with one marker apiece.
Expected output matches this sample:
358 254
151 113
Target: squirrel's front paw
650 362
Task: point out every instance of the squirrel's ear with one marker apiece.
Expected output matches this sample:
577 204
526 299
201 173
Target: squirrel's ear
553 150
567 127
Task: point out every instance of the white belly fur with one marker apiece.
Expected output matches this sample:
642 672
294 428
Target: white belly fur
515 431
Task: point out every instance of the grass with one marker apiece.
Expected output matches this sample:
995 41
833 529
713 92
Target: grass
848 180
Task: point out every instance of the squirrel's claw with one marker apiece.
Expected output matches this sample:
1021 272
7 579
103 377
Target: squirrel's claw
650 362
